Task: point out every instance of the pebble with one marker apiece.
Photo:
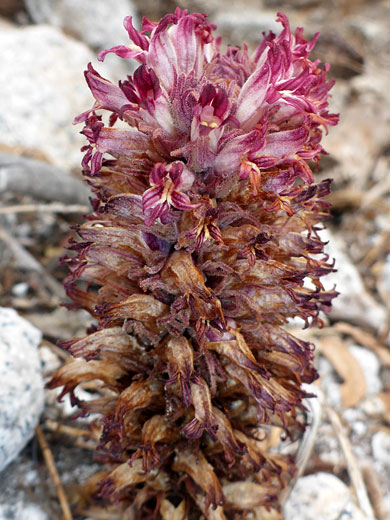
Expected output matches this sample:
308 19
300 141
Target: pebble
21 389
20 289
321 496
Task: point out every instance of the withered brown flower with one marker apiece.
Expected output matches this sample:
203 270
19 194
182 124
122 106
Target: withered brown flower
202 244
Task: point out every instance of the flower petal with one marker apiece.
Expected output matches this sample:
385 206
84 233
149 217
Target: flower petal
126 52
285 144
108 95
251 98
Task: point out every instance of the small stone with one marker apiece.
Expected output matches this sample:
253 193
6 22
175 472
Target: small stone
21 389
321 496
359 428
20 289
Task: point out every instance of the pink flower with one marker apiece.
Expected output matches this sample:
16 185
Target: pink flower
222 117
167 183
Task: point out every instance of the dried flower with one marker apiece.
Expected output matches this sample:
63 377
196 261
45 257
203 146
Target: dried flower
203 236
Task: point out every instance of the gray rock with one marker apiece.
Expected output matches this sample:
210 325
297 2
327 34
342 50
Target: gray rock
95 22
321 496
21 389
42 90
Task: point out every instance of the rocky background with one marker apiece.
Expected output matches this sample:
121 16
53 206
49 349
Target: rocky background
44 48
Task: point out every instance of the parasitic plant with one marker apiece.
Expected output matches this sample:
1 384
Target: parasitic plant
202 244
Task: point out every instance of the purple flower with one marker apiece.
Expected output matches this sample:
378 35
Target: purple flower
224 115
167 181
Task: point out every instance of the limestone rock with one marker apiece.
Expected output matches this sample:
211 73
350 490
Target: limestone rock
21 389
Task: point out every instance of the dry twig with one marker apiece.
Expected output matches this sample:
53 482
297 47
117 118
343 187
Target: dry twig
74 433
374 490
352 465
25 260
59 352
49 460
309 437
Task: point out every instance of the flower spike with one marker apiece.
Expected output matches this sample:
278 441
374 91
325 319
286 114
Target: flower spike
201 240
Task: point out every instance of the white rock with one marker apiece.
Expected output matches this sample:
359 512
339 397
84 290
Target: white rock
20 289
21 389
359 428
321 496
42 90
94 21
353 303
